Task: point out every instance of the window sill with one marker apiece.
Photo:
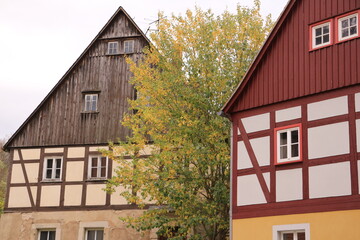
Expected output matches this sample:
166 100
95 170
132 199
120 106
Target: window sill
90 112
96 179
51 181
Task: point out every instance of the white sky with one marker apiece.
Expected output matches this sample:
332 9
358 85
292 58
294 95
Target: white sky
41 39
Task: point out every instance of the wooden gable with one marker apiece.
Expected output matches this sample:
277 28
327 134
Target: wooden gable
60 118
286 68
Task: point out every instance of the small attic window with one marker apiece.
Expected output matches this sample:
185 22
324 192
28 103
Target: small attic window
321 34
348 26
112 48
129 46
91 101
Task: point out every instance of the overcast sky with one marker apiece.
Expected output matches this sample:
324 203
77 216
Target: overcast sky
41 39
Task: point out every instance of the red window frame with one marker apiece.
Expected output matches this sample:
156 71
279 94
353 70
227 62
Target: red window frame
276 130
331 32
337 26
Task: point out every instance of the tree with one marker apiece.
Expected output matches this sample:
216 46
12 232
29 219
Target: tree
4 164
182 82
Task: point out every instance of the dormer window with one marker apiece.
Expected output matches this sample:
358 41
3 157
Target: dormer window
91 101
321 34
348 26
112 48
129 46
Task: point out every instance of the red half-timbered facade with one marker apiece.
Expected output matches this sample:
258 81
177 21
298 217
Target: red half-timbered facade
296 128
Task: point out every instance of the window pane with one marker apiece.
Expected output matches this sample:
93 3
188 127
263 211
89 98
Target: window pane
318 31
43 235
326 38
94 172
345 33
288 236
294 136
57 173
51 235
48 173
94 162
99 234
103 172
49 163
326 29
103 161
353 21
295 150
318 41
353 30
344 23
283 152
283 138
90 235
301 236
58 163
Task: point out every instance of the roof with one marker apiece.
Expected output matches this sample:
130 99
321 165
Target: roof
239 89
119 10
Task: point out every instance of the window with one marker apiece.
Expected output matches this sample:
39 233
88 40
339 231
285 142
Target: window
52 168
129 46
112 48
288 144
291 232
292 235
47 235
347 26
321 34
91 102
98 166
94 234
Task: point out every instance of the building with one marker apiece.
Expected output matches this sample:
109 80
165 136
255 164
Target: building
296 128
57 174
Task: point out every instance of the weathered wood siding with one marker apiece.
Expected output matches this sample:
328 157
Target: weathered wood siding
289 70
60 120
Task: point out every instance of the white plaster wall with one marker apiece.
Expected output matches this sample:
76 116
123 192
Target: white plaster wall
249 191
328 108
358 134
54 150
30 154
288 114
257 122
261 148
328 140
32 170
289 185
97 148
17 175
95 195
19 197
73 194
50 196
330 180
16 155
76 152
243 159
116 199
357 102
74 171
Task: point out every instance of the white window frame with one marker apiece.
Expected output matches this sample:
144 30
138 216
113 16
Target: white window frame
113 48
288 130
279 230
98 167
94 97
53 169
339 26
313 34
83 226
129 48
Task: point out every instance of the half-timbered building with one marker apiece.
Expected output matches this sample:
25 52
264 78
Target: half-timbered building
296 128
57 174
